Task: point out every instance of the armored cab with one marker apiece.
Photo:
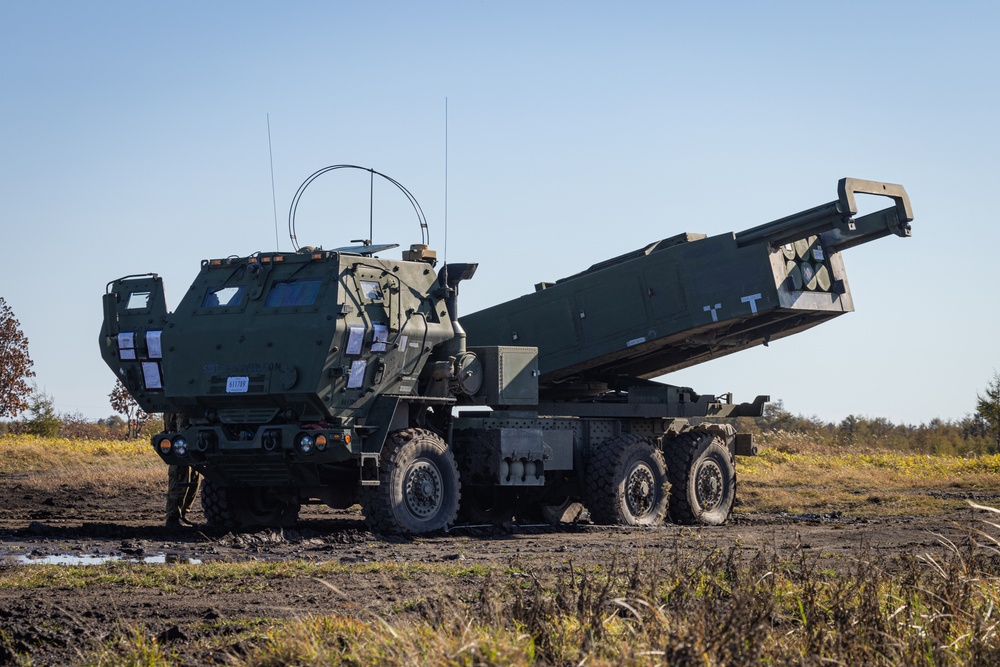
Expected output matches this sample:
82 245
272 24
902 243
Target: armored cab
279 363
341 377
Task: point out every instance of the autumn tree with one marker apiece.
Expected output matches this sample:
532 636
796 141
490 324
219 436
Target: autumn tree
123 403
988 407
15 365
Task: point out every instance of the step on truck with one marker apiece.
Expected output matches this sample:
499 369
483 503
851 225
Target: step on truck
343 377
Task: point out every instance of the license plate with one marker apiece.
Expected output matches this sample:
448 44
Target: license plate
237 385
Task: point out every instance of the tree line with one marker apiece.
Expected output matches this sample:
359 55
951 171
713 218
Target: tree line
976 433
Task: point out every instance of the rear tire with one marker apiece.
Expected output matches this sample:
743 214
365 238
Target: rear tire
626 483
419 487
702 479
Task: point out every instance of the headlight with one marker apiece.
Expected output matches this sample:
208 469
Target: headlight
180 446
306 443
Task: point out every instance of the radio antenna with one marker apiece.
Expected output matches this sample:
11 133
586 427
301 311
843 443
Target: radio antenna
274 200
446 181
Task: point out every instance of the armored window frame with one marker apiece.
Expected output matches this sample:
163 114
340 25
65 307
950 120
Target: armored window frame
294 293
139 300
237 297
371 290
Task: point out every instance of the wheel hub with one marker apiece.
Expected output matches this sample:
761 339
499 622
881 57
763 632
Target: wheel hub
424 489
709 485
640 494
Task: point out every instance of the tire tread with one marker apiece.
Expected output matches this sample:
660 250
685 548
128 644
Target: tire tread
377 500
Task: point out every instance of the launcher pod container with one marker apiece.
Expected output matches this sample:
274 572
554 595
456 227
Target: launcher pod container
340 377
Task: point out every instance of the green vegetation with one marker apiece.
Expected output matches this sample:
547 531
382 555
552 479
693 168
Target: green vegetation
42 418
969 435
988 408
233 576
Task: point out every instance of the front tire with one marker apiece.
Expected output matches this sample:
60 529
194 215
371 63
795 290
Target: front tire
626 483
241 508
215 506
702 479
419 488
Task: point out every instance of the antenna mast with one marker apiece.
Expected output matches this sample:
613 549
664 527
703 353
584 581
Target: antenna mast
274 200
445 181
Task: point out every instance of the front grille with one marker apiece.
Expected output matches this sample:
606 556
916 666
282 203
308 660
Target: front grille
247 415
258 473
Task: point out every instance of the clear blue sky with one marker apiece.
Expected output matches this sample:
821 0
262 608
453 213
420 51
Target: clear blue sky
134 140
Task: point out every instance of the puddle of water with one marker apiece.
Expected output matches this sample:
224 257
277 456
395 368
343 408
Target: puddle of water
74 559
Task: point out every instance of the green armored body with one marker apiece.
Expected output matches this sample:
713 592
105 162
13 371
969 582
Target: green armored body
341 377
687 299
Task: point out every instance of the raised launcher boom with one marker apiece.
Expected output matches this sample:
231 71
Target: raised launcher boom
690 298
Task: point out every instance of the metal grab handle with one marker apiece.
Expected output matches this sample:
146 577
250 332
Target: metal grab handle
835 215
848 187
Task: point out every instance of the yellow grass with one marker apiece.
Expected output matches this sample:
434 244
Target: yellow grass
799 478
98 465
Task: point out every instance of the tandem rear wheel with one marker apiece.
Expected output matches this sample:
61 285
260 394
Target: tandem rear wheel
702 478
627 483
692 479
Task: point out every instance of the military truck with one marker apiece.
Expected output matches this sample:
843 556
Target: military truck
342 376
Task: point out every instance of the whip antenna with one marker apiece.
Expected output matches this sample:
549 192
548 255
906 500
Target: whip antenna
445 181
274 200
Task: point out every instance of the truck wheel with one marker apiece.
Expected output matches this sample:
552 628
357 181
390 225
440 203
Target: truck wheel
702 479
418 490
626 480
238 508
265 507
215 506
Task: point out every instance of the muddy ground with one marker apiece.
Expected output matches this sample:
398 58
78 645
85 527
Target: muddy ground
61 624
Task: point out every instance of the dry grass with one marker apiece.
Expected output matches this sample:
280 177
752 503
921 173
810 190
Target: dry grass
796 476
729 607
103 467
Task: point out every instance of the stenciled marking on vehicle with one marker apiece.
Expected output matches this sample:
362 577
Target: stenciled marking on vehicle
752 300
